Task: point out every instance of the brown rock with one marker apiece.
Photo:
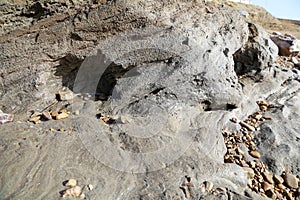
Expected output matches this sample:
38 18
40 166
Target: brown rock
268 177
35 120
72 192
234 120
247 126
208 186
254 154
278 179
267 186
46 115
62 115
291 180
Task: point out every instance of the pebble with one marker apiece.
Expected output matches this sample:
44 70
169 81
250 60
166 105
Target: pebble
76 112
278 179
35 120
267 186
90 187
72 192
249 127
71 183
47 115
234 120
62 115
82 196
268 177
65 95
291 180
254 154
209 185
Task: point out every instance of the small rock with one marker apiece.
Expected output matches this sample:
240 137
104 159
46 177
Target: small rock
291 180
54 113
294 60
47 115
35 120
234 120
5 118
76 112
71 183
281 186
82 196
267 117
268 177
90 187
72 192
208 186
65 95
254 154
62 115
250 172
185 191
278 179
249 127
267 186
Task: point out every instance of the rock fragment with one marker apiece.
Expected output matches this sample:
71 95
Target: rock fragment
72 192
249 127
5 118
278 179
254 154
65 95
71 183
46 115
291 180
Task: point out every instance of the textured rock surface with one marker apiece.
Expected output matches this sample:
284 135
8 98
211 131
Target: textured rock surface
198 63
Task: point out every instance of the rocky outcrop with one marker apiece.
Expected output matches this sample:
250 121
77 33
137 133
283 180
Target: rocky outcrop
154 84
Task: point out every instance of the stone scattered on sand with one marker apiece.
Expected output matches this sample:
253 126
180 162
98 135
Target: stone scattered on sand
71 183
209 185
72 192
65 95
46 115
291 180
268 177
82 196
5 118
254 154
62 114
278 179
248 126
90 186
35 119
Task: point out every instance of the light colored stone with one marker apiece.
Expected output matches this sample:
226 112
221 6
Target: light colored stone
208 186
62 115
65 95
72 192
291 180
71 183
